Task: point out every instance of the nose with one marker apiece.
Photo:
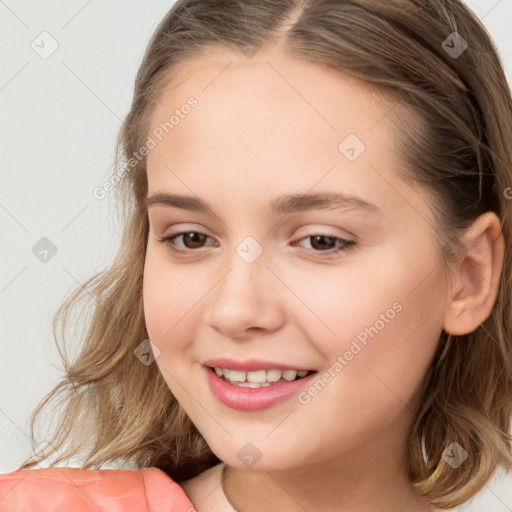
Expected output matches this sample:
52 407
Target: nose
248 298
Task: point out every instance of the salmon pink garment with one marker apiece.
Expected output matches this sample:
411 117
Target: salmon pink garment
65 489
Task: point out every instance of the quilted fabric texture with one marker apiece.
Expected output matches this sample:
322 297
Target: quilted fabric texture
63 489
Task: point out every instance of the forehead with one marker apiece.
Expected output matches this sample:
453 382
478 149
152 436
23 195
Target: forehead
270 123
268 95
225 82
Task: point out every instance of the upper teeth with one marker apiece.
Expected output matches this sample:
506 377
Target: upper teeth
259 375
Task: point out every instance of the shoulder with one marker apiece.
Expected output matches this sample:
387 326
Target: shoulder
59 489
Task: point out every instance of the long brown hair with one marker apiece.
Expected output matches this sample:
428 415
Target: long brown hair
458 146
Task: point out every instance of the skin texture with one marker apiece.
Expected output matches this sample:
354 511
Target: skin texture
268 126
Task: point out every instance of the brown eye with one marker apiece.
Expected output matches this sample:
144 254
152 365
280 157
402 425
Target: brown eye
322 242
327 245
193 239
321 245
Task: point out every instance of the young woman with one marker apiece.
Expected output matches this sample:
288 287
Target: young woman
310 307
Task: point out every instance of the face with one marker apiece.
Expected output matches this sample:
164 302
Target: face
352 290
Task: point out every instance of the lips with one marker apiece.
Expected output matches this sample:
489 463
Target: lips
254 399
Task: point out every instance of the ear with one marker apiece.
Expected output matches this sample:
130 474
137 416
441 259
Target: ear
476 274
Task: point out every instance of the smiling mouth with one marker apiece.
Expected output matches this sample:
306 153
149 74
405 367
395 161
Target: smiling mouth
259 378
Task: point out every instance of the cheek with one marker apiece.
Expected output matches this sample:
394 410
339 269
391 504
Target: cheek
170 296
383 319
376 361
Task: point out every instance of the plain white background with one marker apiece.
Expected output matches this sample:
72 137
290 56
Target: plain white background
59 122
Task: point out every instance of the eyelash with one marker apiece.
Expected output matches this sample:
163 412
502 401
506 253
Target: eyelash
345 246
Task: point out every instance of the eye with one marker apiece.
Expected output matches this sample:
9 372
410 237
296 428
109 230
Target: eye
328 245
191 239
323 245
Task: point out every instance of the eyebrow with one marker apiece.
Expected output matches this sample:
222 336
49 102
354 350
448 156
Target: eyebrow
284 204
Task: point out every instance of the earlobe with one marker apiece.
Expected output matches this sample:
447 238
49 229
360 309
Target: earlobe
477 276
